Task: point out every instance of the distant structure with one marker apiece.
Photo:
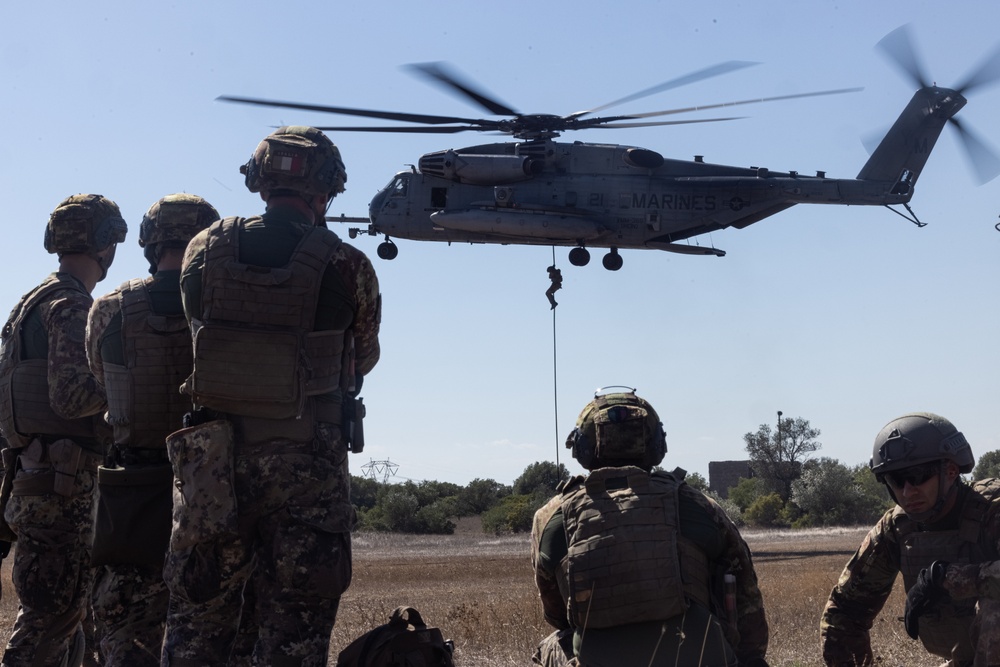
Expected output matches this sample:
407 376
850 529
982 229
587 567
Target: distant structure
379 471
725 474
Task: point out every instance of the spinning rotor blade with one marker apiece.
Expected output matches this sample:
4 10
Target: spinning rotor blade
733 104
656 123
416 129
898 46
438 72
982 158
988 72
365 113
706 73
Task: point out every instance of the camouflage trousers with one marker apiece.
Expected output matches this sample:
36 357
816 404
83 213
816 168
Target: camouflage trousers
291 535
51 571
556 650
130 610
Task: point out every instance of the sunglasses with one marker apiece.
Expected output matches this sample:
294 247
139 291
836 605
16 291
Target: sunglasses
915 475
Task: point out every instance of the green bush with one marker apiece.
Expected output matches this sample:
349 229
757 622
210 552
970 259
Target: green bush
766 511
513 514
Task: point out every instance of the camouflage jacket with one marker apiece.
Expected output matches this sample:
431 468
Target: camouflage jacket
696 510
868 578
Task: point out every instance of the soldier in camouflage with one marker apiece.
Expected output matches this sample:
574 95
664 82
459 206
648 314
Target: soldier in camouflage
943 537
50 407
285 320
139 349
675 585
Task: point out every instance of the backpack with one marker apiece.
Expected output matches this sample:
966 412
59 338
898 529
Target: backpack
405 641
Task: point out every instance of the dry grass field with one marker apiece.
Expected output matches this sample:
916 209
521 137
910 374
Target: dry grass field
478 590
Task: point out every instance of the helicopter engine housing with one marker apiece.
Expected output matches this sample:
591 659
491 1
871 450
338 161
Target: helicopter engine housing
479 169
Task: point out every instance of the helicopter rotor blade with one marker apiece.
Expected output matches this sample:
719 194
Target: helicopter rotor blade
758 100
983 159
986 73
657 123
693 77
898 46
438 72
416 129
365 113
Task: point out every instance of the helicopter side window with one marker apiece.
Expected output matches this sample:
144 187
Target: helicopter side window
439 197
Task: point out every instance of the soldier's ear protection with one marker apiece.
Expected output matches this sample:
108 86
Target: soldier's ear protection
582 440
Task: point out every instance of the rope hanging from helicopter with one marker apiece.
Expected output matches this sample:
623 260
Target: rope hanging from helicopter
555 283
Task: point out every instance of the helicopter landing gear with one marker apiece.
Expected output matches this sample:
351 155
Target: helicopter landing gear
579 256
387 249
612 261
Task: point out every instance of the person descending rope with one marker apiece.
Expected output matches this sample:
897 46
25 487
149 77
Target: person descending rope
555 275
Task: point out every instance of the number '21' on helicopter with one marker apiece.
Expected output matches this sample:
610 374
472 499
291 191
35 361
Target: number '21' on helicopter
538 191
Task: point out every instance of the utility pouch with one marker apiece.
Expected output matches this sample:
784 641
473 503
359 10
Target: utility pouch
133 515
204 500
6 486
353 424
65 456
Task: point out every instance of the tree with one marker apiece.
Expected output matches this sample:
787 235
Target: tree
541 477
832 494
480 495
745 492
777 457
988 466
697 481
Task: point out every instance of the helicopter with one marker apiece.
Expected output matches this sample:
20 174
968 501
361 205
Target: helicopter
538 191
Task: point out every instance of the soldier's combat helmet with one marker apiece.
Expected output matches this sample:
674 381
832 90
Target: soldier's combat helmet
921 438
84 224
171 222
618 429
296 159
916 438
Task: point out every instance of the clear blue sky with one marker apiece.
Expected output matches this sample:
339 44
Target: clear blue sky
845 316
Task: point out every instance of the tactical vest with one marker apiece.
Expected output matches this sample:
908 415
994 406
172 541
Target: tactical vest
255 351
25 411
144 400
945 630
627 561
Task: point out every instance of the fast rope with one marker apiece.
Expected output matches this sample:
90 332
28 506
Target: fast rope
555 375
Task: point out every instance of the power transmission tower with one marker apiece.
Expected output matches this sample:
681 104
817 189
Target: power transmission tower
380 469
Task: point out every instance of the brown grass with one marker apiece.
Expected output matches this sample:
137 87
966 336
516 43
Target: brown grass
478 589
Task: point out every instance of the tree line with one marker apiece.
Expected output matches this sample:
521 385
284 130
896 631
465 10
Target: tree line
787 488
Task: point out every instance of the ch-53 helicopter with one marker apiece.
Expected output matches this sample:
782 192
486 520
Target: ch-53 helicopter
585 195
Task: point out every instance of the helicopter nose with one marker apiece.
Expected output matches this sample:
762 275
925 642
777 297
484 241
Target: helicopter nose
375 206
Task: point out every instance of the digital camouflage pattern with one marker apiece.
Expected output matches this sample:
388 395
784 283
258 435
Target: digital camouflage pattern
295 518
868 578
51 570
752 635
129 600
130 608
84 223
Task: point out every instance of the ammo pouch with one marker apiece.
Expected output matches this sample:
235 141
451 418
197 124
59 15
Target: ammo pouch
133 515
6 486
204 498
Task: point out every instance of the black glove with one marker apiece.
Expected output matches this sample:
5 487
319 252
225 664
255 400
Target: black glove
755 661
926 593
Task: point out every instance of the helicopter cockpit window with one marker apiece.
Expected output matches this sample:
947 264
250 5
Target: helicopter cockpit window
398 187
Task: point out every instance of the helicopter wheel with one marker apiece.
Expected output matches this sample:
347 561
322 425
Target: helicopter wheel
579 256
387 250
612 261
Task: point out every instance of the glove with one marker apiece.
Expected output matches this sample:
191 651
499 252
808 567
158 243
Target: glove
755 661
926 593
4 549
